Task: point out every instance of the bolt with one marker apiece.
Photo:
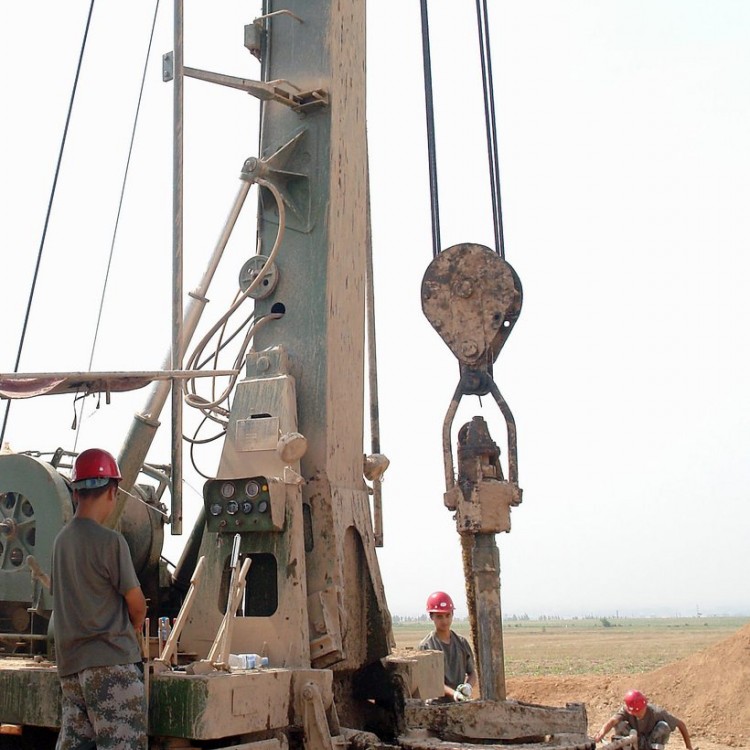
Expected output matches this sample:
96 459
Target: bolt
464 288
469 348
262 364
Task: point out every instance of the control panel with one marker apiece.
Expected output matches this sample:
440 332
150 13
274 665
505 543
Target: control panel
247 504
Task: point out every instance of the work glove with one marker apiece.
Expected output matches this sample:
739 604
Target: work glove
462 692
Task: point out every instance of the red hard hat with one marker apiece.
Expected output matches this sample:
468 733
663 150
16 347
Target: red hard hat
94 468
439 601
635 701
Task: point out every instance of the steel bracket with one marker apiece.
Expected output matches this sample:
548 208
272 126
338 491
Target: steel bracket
283 92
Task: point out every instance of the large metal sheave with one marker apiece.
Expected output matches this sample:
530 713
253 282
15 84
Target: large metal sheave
472 297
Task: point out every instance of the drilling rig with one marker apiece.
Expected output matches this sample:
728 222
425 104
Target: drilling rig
282 562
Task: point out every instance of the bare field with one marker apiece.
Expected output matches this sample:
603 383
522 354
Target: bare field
577 647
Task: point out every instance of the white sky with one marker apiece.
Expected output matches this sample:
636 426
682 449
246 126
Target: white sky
625 165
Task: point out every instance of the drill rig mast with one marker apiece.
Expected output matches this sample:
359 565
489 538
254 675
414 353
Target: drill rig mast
288 507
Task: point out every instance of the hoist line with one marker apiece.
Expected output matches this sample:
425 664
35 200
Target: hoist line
124 183
119 209
430 116
49 211
493 158
490 124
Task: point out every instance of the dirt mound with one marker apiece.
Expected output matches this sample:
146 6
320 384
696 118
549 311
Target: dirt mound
708 691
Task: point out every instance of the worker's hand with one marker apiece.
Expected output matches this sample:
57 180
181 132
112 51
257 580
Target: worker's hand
465 689
458 697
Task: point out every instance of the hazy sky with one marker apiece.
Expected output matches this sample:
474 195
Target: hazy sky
625 167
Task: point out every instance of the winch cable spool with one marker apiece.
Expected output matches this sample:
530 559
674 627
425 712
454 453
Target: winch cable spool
50 202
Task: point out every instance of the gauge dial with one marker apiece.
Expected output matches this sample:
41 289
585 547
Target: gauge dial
215 509
227 490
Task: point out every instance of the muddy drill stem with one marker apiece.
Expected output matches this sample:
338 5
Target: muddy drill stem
480 482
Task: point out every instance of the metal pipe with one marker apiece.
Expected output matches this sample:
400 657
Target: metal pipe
485 564
372 362
177 266
98 378
186 564
146 422
24 637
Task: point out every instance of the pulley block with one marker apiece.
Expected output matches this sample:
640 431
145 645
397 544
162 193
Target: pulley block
472 298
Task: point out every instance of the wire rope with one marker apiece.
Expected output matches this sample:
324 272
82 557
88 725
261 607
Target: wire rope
49 210
430 117
124 182
119 208
490 124
493 158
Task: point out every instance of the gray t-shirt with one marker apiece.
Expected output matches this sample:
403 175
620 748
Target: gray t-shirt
646 725
459 660
91 571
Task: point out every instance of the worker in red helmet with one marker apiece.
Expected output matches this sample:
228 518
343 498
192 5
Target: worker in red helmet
652 724
99 609
460 675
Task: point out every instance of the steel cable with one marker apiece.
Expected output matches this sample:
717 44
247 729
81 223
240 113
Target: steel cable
430 115
490 124
124 183
493 158
49 210
119 210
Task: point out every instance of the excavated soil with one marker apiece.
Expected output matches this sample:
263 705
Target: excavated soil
709 691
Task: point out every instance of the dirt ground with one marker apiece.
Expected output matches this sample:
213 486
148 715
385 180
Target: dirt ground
709 691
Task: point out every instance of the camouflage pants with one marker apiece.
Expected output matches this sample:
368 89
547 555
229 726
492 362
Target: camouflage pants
659 734
106 706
